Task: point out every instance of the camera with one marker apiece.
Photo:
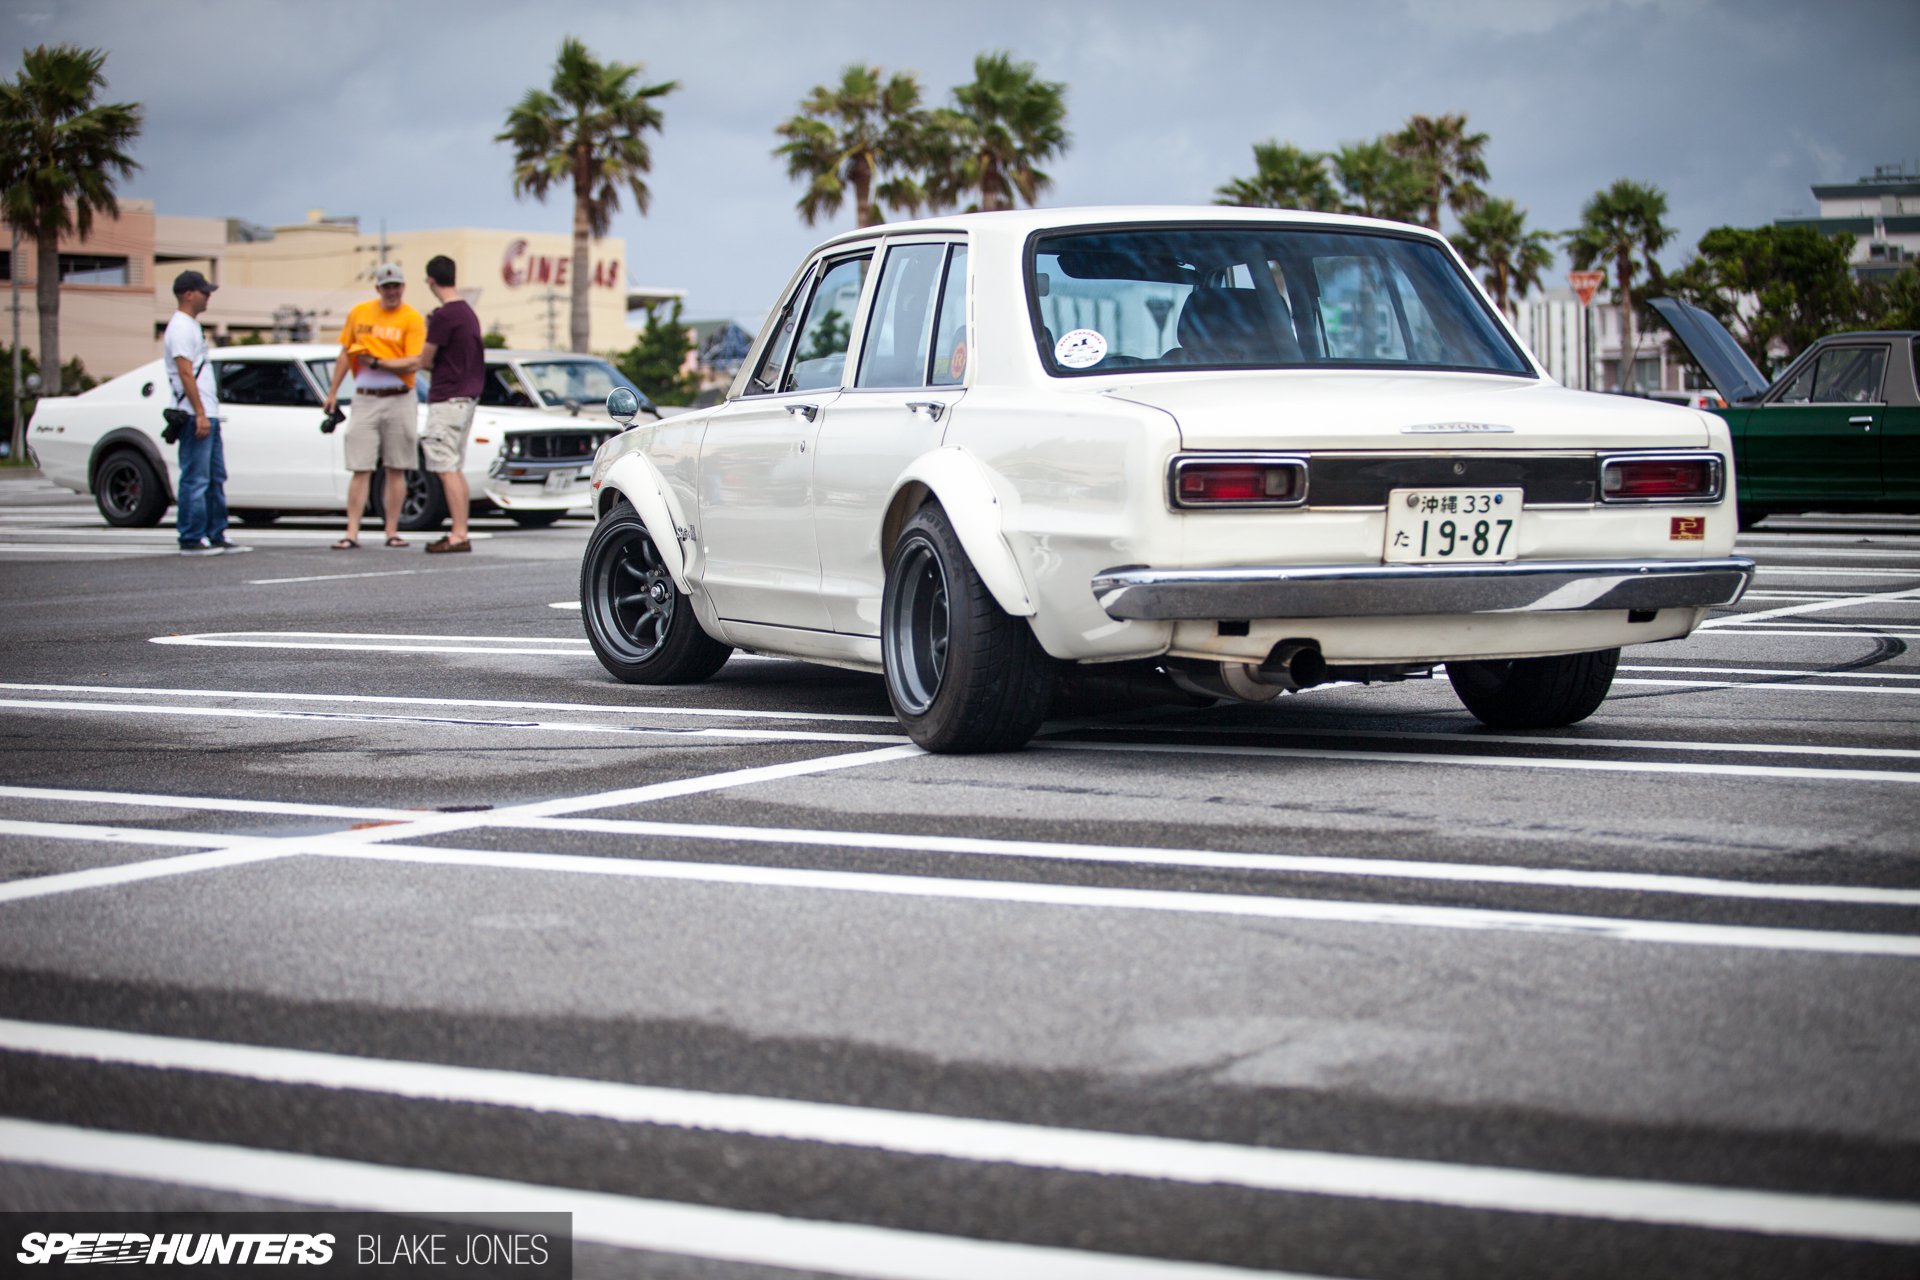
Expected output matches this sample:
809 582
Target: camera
179 422
332 420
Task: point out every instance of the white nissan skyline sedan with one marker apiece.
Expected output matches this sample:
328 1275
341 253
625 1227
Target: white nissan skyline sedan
1238 452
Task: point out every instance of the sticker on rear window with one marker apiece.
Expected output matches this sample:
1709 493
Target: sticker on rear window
1080 349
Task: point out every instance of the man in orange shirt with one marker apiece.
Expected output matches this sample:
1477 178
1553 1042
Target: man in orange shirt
384 427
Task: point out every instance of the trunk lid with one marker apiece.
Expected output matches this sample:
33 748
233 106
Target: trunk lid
1731 371
1405 412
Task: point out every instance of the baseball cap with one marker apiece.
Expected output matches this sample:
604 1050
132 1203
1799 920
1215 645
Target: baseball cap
192 282
388 273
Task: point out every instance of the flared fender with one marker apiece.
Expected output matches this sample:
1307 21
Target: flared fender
967 494
637 480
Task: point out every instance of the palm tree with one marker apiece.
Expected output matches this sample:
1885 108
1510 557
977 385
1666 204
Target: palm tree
1622 226
589 130
1495 242
1379 182
1449 159
1285 177
60 153
862 135
991 142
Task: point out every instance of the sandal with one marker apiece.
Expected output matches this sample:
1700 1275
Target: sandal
396 541
347 544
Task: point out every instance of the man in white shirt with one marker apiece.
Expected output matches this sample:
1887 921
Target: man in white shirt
200 514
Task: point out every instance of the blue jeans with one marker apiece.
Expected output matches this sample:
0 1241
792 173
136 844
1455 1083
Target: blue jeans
202 501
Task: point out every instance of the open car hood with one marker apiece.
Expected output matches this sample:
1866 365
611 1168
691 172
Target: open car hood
1733 375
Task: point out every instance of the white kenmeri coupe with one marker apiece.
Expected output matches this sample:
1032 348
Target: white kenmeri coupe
1241 452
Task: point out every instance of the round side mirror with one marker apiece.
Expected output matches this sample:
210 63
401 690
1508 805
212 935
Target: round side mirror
622 405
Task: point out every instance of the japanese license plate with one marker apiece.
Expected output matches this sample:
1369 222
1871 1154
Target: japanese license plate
561 481
1452 526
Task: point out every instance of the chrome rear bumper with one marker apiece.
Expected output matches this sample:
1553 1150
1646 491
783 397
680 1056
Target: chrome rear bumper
1395 590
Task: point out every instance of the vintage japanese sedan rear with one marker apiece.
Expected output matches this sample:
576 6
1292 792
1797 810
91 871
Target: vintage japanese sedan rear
1242 451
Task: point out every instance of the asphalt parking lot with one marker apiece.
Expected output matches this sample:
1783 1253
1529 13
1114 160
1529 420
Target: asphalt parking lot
350 879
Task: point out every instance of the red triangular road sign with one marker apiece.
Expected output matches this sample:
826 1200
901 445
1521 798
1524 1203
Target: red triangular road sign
1584 283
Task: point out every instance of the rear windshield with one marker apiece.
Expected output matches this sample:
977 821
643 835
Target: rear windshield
1257 297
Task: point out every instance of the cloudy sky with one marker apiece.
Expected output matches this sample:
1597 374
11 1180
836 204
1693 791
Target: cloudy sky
264 109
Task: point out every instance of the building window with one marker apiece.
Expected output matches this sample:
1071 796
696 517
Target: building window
6 267
82 268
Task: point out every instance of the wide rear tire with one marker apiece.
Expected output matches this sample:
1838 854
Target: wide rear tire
1535 693
962 674
641 627
128 491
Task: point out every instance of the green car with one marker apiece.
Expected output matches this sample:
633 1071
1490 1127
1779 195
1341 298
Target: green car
1838 431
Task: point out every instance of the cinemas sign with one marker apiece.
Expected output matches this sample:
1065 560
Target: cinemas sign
518 267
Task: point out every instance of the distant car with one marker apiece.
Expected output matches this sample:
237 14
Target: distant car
1230 452
1686 399
1838 431
106 442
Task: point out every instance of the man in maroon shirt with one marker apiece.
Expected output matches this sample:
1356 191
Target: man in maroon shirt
456 356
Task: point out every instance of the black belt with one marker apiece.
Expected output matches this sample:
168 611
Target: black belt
379 391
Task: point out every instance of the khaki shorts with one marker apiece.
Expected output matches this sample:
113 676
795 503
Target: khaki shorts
384 430
444 440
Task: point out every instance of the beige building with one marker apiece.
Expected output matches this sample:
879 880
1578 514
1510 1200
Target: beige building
301 279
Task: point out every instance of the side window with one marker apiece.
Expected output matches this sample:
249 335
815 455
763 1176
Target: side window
950 324
276 382
820 350
895 352
499 390
773 362
1800 390
1849 375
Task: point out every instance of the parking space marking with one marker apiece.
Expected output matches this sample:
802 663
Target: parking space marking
1168 901
1212 859
626 1222
1323 756
1773 687
1085 1151
1776 672
375 718
113 835
1812 571
302 640
230 854
505 704
335 577
1817 606
212 804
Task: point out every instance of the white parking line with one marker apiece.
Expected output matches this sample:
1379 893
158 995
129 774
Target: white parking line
556 647
334 577
594 708
731 1235
1174 902
211 804
1817 606
1771 671
1107 1154
1770 687
531 726
1211 859
1324 756
234 854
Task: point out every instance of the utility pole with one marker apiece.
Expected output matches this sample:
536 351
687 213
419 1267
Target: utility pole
18 436
552 298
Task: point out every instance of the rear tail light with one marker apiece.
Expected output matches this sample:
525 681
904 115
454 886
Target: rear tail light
1692 477
1238 481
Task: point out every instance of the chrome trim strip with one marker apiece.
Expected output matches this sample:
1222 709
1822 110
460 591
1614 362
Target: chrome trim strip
523 470
1395 590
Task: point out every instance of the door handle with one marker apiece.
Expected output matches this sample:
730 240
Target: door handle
807 411
1866 422
932 408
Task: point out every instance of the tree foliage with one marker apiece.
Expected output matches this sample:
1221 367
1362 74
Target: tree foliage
1450 161
1788 286
1284 177
587 132
1495 241
656 362
987 148
864 136
61 153
1379 181
74 379
1621 229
